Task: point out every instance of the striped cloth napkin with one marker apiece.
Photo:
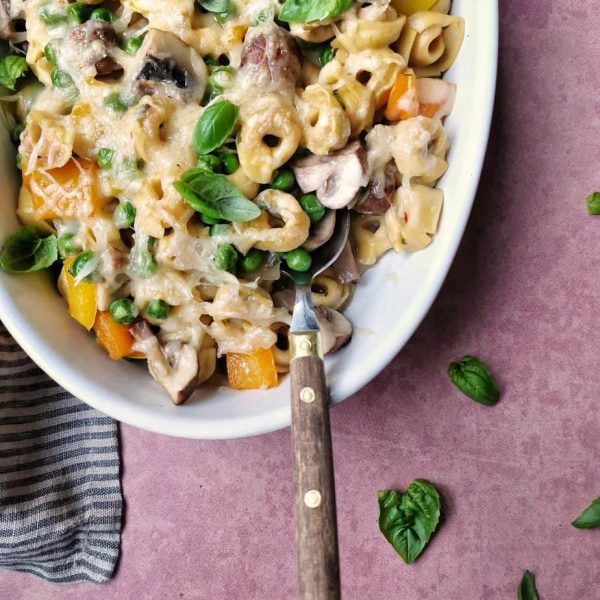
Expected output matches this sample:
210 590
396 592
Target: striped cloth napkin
60 493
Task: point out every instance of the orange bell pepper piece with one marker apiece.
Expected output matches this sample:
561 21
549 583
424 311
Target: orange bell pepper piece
81 297
403 103
252 371
428 109
67 192
113 337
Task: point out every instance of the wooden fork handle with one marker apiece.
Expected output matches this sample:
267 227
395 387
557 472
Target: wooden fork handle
314 489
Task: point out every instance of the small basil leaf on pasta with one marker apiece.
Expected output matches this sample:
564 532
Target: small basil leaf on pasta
215 6
590 517
12 68
215 196
474 379
527 589
407 520
214 126
307 11
26 251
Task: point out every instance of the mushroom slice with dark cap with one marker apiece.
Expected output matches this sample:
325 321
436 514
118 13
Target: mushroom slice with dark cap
10 10
166 65
320 232
336 330
337 178
270 58
345 269
174 366
379 194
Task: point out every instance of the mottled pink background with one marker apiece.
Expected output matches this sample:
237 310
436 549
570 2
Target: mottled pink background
211 520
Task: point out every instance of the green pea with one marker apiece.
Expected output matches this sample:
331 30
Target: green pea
114 102
50 53
158 310
61 79
124 215
221 78
131 164
104 158
312 207
133 44
222 17
15 132
124 311
225 257
218 229
253 260
230 161
19 161
210 162
298 260
102 14
209 61
325 55
284 180
65 245
87 261
77 13
50 16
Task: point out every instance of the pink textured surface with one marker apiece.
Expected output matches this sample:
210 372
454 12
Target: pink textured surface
212 520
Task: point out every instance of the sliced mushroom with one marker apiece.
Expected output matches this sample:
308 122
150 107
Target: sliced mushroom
174 366
337 178
270 58
345 268
378 196
96 42
321 232
336 330
166 65
10 10
284 299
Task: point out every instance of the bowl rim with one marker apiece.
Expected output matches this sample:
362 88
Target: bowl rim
397 336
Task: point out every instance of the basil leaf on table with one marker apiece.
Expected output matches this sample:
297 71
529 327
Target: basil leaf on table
408 520
307 11
590 517
11 69
215 196
527 589
215 6
214 126
474 379
25 251
593 203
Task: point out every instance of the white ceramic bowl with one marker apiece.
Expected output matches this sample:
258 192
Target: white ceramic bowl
390 302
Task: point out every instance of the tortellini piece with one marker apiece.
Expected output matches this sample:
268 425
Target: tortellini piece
369 237
270 134
357 99
329 292
430 42
326 124
261 234
357 34
413 217
377 70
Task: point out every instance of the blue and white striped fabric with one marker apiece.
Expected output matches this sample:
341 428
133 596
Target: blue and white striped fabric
60 493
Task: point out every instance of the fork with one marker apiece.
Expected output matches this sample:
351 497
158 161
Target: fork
314 489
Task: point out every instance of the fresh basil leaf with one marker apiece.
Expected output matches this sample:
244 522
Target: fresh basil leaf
215 6
474 380
590 517
527 589
25 251
215 196
214 126
593 203
11 69
307 11
408 520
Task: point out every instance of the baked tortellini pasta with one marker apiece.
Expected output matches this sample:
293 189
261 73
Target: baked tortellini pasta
174 154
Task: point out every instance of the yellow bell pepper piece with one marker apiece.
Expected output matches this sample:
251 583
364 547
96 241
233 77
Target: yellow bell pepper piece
81 297
252 371
409 7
